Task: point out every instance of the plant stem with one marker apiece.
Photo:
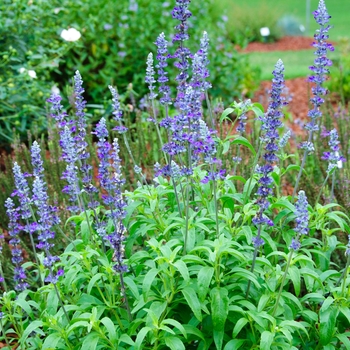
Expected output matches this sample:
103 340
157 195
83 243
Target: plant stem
257 156
332 189
215 202
212 121
282 283
319 194
254 258
187 210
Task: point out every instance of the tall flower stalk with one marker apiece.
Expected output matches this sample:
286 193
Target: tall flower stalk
270 123
320 71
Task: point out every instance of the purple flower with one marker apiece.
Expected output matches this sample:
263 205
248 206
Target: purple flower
57 110
284 139
302 220
319 70
14 229
334 157
162 57
37 162
302 214
22 191
117 112
218 175
150 77
199 66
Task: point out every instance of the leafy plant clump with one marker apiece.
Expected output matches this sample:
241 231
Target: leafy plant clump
198 255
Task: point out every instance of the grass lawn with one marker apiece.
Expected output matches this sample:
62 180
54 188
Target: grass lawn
296 62
338 9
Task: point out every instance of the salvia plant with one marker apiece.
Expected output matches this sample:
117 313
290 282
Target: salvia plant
196 255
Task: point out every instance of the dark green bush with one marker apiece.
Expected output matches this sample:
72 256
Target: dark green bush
113 33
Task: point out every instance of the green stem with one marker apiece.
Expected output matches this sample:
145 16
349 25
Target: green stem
254 258
332 189
187 210
256 159
4 333
301 168
215 202
282 283
319 194
158 131
212 121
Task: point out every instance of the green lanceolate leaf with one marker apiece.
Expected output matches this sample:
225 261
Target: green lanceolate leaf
266 340
193 301
205 275
219 312
328 320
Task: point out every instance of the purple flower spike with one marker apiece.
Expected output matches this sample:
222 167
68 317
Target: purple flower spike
162 57
37 162
334 157
22 191
14 228
302 220
150 76
302 214
319 70
199 66
117 112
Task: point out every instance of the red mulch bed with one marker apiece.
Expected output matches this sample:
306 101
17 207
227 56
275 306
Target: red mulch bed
287 43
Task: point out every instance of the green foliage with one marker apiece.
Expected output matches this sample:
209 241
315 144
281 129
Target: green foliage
30 50
339 84
112 33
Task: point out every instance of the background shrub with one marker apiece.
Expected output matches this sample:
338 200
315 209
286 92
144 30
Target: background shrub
113 32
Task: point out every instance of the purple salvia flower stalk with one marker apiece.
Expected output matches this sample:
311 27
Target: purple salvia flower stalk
302 220
37 162
80 140
57 111
320 72
334 157
182 54
284 139
46 234
199 65
70 156
22 192
271 121
162 57
150 80
14 229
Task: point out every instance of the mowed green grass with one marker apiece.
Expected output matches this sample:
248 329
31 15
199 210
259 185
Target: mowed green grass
296 63
338 9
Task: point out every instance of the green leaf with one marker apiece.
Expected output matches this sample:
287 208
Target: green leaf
33 326
238 326
295 277
225 113
193 302
112 334
93 281
240 140
140 337
182 268
327 324
52 341
148 280
90 342
345 340
205 275
234 344
219 310
174 343
176 324
266 340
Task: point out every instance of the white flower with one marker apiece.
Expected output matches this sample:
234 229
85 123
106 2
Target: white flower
55 90
32 73
264 31
71 34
